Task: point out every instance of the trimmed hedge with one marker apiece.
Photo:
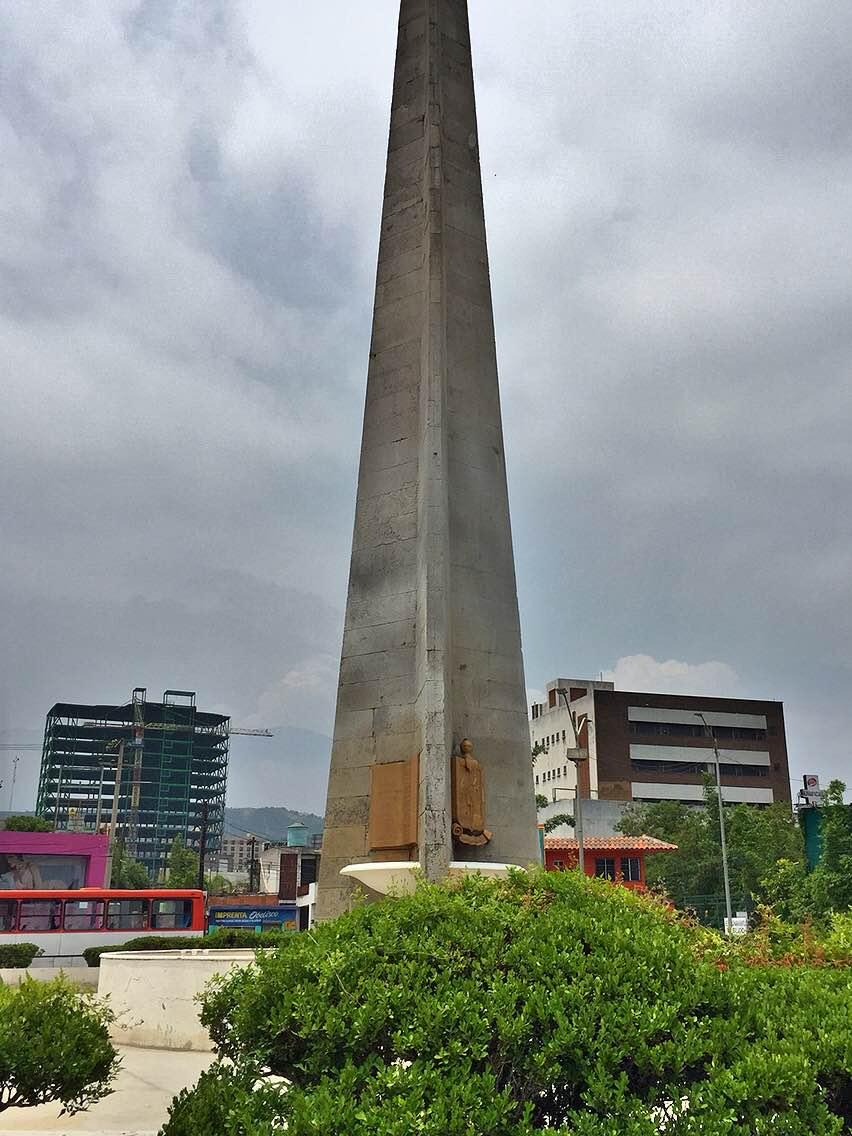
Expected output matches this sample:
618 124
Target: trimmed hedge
225 938
548 1002
18 955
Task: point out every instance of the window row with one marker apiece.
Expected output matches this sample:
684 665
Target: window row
552 774
553 739
687 730
643 765
631 868
95 914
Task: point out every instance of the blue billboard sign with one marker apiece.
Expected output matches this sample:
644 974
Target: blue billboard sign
283 916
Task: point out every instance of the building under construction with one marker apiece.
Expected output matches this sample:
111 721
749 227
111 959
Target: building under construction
156 770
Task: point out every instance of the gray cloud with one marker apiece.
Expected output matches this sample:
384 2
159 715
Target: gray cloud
189 204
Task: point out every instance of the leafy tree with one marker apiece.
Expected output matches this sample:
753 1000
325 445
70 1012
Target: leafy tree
54 1046
23 823
787 888
695 869
182 866
127 872
541 802
548 1002
831 880
756 839
217 884
558 820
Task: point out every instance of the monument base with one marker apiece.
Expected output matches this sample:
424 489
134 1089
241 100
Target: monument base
399 877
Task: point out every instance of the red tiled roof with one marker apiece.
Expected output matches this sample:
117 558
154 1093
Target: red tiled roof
609 844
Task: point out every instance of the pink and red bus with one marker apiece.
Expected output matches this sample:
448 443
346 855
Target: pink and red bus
64 923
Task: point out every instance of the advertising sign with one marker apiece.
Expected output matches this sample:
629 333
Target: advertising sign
30 871
811 792
284 918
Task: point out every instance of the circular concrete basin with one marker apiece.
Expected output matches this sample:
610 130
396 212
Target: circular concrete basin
399 877
153 994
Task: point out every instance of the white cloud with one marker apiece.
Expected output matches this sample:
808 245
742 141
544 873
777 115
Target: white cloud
644 673
303 696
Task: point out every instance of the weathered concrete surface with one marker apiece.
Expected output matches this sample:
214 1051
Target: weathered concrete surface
83 976
431 649
144 1088
153 995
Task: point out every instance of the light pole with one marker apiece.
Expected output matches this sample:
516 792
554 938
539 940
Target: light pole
729 915
578 799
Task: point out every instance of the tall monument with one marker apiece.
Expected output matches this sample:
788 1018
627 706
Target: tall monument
431 650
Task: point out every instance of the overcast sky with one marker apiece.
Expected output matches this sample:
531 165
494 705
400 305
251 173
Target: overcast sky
189 210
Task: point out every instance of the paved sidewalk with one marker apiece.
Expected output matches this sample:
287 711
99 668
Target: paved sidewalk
144 1088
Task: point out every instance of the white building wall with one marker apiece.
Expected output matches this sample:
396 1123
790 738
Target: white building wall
552 727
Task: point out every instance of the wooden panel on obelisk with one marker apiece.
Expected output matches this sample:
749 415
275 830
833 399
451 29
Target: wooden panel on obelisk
431 650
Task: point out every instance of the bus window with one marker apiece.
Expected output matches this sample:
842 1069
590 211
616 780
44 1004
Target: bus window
8 914
40 914
172 914
84 915
127 915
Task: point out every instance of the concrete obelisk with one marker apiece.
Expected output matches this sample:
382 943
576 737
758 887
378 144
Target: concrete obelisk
432 648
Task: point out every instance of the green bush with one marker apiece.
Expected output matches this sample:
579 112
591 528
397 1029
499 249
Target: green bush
548 1002
25 823
774 942
838 941
227 938
18 954
54 1046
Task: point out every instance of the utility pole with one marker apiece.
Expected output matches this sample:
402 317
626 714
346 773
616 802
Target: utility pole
253 844
729 914
202 843
578 799
58 793
15 761
113 820
100 800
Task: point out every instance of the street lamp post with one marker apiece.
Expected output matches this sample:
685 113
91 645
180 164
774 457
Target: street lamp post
729 915
578 799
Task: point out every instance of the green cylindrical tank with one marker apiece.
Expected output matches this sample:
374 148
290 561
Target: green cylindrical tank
297 835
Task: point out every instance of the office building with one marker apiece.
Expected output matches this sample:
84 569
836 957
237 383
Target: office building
656 747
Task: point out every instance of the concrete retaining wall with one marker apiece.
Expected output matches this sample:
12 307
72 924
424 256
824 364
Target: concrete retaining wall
81 976
153 994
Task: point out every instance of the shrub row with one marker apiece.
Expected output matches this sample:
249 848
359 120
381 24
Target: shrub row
18 954
548 1002
225 938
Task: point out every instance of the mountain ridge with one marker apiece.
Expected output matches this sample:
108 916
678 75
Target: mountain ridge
269 822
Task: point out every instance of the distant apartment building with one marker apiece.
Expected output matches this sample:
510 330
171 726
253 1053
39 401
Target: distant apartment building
236 852
655 747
